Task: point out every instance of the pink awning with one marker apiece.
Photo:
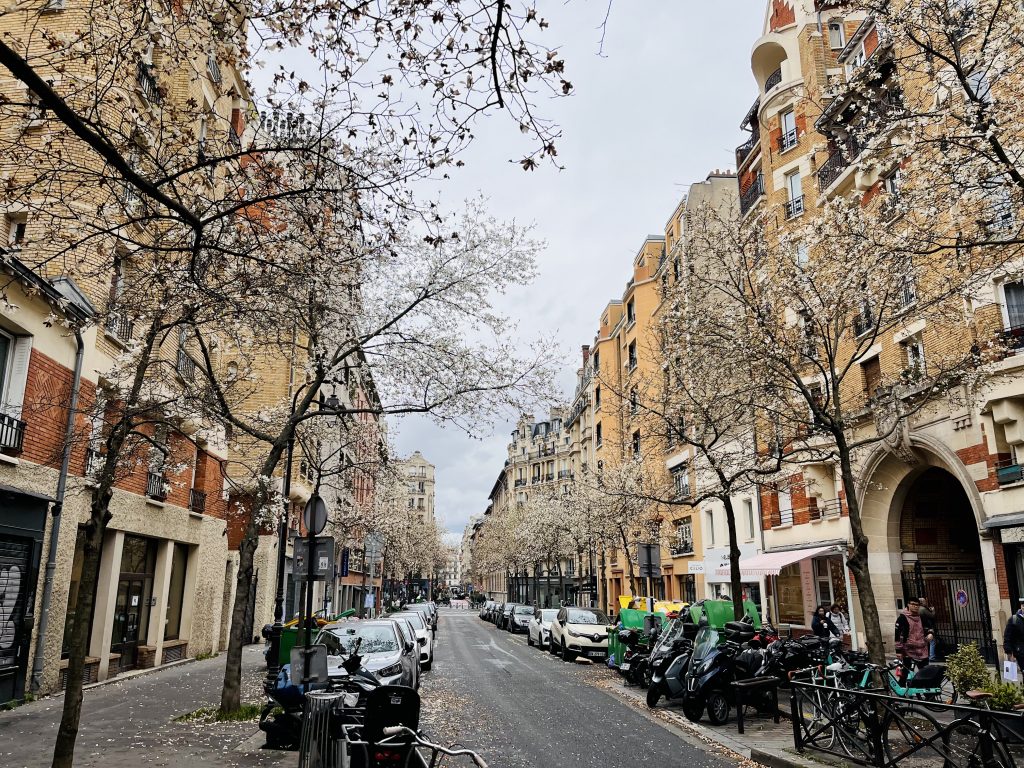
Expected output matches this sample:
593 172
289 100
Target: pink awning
770 563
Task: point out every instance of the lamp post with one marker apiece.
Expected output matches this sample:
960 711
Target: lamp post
332 408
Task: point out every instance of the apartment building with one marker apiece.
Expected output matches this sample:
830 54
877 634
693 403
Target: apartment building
418 474
939 495
165 575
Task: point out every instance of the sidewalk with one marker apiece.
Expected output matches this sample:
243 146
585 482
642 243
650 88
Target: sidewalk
130 722
763 741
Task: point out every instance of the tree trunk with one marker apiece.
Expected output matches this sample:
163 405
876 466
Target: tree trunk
735 581
858 558
629 562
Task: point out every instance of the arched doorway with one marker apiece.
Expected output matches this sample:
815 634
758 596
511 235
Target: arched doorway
942 559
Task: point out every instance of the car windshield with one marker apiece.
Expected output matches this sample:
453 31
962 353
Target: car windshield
420 607
705 642
582 616
376 638
413 618
548 614
508 608
524 610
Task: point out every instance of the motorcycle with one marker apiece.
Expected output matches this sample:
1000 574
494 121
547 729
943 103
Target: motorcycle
635 658
668 671
719 658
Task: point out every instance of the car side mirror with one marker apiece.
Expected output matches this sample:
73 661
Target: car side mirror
423 641
409 646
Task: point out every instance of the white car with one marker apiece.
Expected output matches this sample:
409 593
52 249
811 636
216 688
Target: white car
538 631
423 635
579 632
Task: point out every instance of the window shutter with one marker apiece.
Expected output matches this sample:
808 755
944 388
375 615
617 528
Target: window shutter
14 398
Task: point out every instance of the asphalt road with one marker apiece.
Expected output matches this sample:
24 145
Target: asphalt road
520 707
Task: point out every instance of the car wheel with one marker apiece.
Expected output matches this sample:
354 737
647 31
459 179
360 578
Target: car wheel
529 638
718 708
693 708
551 646
567 655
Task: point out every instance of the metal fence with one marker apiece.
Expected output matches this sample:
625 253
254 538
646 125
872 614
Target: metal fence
961 609
877 729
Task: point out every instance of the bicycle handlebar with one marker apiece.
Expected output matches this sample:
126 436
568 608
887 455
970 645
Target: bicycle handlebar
401 730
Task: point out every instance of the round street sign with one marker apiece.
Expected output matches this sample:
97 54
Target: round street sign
314 516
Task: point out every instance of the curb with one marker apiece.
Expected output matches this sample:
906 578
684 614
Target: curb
135 673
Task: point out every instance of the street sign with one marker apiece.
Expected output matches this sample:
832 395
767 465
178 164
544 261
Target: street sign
649 556
323 557
345 554
314 516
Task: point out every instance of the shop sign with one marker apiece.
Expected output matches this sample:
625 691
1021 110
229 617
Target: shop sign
695 566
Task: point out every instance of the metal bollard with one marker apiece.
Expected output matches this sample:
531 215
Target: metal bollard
318 747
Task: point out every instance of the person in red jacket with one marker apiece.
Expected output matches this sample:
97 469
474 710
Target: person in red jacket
913 634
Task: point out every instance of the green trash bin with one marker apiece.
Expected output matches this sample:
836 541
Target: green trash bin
289 639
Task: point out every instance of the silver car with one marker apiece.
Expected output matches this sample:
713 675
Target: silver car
424 636
384 649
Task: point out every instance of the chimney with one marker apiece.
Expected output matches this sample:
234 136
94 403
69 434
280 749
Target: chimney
586 354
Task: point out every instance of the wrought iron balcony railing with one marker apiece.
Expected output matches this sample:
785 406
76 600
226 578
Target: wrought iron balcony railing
197 501
155 486
213 67
185 366
147 83
794 207
744 150
121 327
12 433
751 194
775 78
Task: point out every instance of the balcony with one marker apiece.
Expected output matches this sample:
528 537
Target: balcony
794 207
535 480
120 327
197 501
12 433
774 79
1012 339
564 473
753 193
825 510
520 483
788 140
1009 472
185 366
147 83
93 458
785 517
549 477
682 548
863 322
155 486
744 150
213 67
234 140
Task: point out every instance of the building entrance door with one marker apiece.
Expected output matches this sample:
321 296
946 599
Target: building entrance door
15 588
131 614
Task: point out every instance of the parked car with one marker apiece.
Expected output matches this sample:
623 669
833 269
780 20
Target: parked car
385 650
519 619
485 610
538 631
424 608
409 633
424 638
492 612
501 617
579 632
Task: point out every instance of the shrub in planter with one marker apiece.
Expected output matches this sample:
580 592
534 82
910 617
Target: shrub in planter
1005 696
966 669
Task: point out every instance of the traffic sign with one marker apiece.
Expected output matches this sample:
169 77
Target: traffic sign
345 555
373 544
323 557
314 516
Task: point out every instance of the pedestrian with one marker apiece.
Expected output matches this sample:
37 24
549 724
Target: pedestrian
821 624
912 636
835 612
1013 635
927 613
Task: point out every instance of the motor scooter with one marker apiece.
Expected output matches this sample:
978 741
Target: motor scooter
719 657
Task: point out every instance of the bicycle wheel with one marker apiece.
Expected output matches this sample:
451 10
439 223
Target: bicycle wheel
853 733
910 731
966 744
814 710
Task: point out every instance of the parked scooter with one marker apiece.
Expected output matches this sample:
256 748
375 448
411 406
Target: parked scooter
714 665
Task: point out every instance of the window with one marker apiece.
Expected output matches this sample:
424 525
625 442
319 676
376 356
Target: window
748 515
636 444
913 353
892 182
412 503
630 311
681 481
684 537
795 195
675 270
597 434
634 401
631 362
801 256
872 372
979 86
787 122
597 361
907 290
709 527
16 226
1013 297
836 35
808 342
999 215
597 398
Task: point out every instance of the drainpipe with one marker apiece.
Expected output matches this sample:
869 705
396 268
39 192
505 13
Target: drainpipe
58 508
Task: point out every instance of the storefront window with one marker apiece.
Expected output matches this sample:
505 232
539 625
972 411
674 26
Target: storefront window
176 592
790 595
822 581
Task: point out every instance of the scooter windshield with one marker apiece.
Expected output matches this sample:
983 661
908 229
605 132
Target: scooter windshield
705 642
674 632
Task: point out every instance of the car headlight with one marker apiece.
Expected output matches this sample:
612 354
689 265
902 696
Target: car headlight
394 669
573 634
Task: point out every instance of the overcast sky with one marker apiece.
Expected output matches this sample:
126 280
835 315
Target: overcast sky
659 110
